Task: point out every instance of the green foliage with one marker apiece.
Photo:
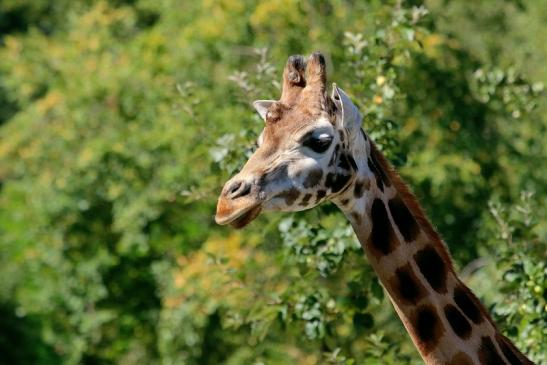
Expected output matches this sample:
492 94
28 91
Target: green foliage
522 306
119 122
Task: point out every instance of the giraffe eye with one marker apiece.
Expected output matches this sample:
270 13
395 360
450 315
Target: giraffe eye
318 144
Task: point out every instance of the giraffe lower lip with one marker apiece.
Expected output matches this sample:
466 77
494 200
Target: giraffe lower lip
246 217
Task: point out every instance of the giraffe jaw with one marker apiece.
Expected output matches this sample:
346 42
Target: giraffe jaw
246 218
240 219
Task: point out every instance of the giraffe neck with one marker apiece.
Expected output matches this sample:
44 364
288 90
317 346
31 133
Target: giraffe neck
446 322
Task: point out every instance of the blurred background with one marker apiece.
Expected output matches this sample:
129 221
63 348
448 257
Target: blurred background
120 121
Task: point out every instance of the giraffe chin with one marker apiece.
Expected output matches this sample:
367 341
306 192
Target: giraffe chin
246 217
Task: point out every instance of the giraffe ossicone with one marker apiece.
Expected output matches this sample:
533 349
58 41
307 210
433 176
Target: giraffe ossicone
313 149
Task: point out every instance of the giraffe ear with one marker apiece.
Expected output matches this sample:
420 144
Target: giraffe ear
349 114
262 107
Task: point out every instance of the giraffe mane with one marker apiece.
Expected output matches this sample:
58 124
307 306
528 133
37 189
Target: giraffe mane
411 201
415 207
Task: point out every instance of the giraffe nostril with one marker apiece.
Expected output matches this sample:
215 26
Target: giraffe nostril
238 189
233 188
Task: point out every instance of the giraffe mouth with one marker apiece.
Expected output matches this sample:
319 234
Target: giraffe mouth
242 218
246 218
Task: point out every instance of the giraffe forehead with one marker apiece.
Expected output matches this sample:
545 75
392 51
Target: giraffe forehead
292 123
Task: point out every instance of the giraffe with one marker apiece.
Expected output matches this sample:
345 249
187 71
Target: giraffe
313 149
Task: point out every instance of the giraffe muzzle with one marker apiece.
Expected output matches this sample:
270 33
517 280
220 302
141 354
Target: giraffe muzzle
239 203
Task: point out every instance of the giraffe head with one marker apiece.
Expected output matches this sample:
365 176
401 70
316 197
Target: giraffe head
306 153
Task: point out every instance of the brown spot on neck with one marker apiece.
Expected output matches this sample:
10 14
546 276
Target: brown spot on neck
511 353
406 286
432 267
382 240
488 354
377 176
427 327
467 303
411 203
460 358
404 219
460 325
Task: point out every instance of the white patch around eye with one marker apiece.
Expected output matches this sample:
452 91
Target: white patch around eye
300 168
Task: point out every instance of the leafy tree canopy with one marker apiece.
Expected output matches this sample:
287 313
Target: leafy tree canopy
120 120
